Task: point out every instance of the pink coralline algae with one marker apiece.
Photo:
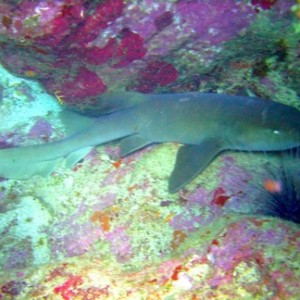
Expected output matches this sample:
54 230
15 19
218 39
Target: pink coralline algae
79 49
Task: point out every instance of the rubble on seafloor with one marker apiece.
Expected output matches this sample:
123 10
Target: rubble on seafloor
108 229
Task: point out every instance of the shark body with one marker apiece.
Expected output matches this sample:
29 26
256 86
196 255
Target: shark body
205 124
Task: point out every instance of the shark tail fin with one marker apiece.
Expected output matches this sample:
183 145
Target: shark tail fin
20 167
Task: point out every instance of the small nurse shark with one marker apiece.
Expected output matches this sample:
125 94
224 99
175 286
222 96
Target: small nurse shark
205 125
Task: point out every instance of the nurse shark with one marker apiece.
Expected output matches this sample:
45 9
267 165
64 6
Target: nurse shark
205 125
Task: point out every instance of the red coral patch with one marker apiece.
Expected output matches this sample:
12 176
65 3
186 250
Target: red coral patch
264 4
98 56
62 25
130 48
120 52
163 20
107 11
69 288
160 72
156 73
86 84
220 197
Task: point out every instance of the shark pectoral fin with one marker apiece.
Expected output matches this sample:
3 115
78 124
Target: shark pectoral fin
75 156
191 160
133 143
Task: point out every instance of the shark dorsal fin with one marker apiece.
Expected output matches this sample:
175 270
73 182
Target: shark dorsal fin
74 122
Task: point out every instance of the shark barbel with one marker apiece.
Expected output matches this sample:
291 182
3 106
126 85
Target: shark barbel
206 124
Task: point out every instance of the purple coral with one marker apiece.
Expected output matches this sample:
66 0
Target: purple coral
12 288
11 139
120 243
42 129
17 259
203 207
198 211
76 241
71 238
220 20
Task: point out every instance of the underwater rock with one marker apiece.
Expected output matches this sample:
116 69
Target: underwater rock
108 38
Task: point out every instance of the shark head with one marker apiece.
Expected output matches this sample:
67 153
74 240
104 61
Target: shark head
276 127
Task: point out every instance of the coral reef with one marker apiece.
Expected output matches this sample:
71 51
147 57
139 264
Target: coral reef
237 262
108 229
78 49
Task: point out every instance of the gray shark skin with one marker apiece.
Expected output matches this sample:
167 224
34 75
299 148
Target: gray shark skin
206 124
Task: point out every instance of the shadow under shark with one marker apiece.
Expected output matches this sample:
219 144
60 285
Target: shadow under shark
205 124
